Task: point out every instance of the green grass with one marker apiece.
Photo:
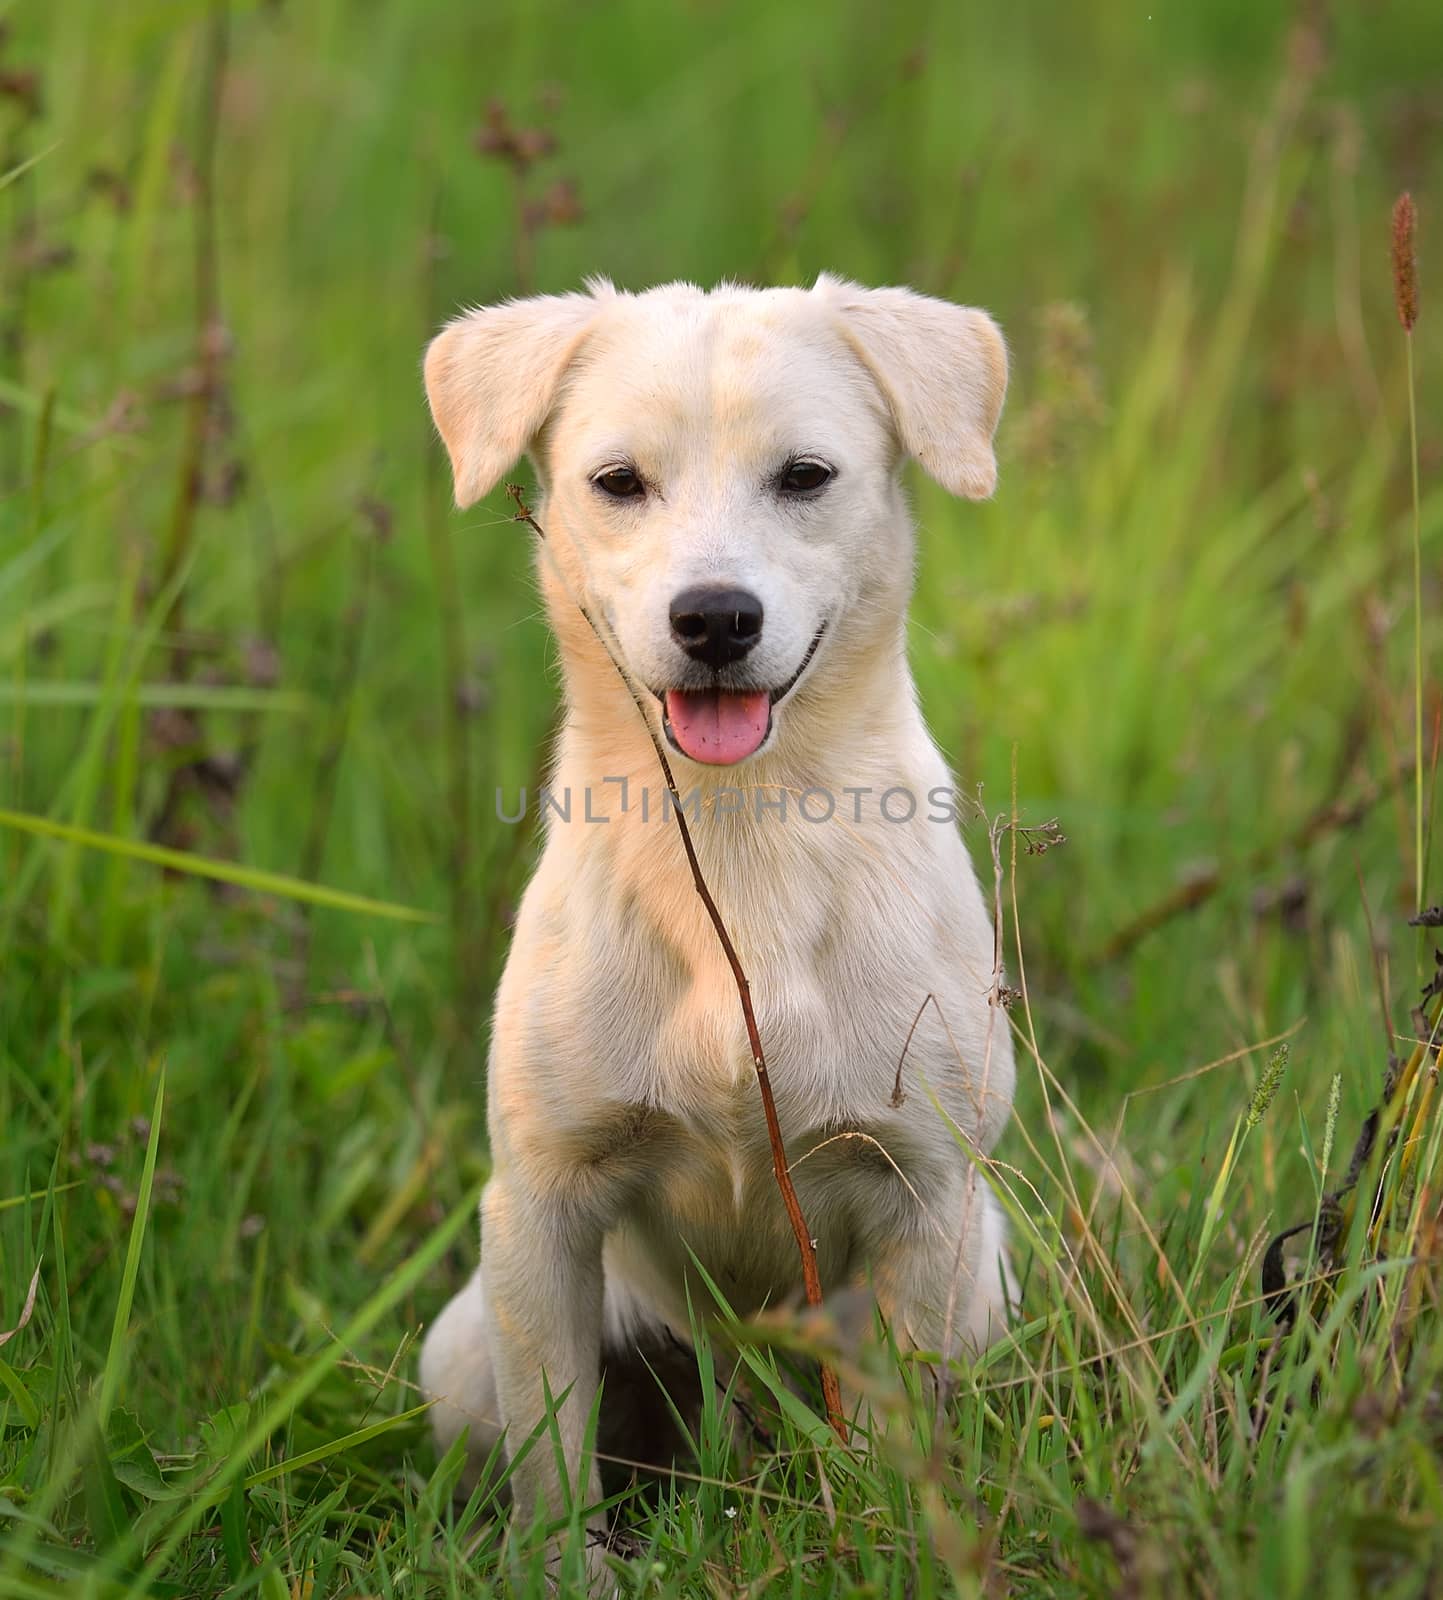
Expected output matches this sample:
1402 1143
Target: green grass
241 1120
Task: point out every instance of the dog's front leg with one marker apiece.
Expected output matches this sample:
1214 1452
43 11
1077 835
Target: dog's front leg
944 1283
541 1265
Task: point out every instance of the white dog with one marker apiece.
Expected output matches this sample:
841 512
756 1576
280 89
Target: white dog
721 491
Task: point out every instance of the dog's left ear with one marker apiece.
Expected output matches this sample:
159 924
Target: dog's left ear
942 370
492 377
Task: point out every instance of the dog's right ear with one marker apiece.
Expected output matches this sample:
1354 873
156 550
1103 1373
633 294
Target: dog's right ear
492 377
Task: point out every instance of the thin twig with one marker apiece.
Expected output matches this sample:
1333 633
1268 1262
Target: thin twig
806 1248
898 1093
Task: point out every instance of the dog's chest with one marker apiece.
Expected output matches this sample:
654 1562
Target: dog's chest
833 1010
639 1046
707 1185
710 1198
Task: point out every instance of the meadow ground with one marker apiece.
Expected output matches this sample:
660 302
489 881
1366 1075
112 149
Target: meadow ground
241 1131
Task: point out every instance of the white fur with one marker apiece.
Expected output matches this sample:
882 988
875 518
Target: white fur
625 1121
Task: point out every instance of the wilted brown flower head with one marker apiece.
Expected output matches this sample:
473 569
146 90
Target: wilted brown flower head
1405 261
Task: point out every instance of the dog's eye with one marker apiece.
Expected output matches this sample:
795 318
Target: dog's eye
802 477
621 483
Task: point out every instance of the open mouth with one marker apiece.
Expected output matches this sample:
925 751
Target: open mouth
719 727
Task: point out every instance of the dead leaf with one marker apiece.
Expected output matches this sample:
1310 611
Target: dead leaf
28 1310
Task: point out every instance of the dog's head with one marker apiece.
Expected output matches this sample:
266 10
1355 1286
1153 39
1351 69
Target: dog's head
721 472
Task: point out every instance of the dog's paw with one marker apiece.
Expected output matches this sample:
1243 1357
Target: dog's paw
607 1552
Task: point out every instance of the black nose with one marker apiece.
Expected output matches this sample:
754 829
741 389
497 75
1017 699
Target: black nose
716 625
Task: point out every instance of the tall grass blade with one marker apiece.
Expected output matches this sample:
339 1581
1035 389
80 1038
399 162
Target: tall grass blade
252 878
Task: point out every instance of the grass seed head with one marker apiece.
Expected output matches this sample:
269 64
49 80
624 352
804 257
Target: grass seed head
1405 261
1268 1085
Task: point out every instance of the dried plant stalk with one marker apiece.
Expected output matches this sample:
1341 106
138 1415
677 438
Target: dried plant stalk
811 1279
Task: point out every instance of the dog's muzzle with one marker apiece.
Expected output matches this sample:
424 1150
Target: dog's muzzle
719 726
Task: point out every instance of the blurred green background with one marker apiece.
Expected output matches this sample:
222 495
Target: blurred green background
239 618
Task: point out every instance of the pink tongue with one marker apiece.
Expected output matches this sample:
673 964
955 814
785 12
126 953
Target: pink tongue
716 727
